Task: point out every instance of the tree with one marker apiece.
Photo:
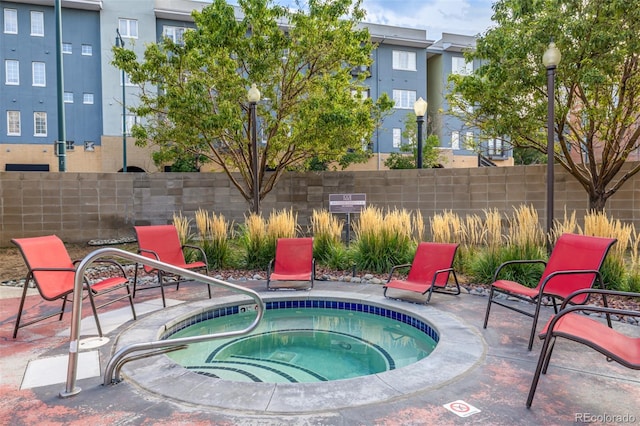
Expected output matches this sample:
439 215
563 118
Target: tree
406 158
193 95
597 96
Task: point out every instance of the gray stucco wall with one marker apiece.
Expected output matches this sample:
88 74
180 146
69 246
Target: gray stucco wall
80 207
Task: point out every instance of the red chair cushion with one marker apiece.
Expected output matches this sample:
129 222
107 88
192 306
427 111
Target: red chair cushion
596 334
294 259
164 241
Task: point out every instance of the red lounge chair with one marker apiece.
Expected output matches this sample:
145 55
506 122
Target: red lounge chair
569 324
161 242
293 262
430 270
53 272
574 264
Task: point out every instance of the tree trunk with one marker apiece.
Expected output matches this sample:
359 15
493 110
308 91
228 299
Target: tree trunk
597 201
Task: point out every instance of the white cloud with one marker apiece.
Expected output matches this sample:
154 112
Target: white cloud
468 17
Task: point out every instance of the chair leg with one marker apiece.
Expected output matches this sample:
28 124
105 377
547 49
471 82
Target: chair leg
548 356
608 315
24 296
535 322
135 280
544 355
208 286
133 310
430 293
95 311
486 315
161 284
64 304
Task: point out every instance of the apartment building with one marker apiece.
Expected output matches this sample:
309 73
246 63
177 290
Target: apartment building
406 66
459 142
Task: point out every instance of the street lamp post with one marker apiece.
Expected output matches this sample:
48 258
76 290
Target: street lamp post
420 108
550 59
253 95
120 43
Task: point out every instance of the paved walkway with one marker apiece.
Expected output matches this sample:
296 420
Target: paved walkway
580 387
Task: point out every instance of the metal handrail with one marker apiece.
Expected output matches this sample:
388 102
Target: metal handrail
117 359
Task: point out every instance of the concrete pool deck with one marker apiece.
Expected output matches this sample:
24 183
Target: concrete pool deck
580 386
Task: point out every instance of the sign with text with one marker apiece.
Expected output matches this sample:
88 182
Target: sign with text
347 203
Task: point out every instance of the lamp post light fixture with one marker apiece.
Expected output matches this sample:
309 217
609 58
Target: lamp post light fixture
120 43
420 108
550 59
253 96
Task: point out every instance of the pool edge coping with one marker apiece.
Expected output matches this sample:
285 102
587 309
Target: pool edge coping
461 348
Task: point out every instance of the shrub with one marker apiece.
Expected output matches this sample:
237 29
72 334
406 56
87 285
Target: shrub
215 236
183 226
254 243
327 236
382 241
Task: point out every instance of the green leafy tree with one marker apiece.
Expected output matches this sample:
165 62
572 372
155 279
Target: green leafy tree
193 95
597 100
406 157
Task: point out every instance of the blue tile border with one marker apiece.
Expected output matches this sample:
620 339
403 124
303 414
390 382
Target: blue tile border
304 304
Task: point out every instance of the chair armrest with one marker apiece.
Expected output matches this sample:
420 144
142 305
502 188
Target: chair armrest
600 291
313 268
199 249
52 270
106 261
591 308
514 262
143 251
404 265
269 266
552 275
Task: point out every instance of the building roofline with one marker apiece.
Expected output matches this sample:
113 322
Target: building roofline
67 4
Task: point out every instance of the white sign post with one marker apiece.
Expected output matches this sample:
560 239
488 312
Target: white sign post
347 203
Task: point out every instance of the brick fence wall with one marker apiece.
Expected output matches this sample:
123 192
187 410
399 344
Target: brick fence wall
80 207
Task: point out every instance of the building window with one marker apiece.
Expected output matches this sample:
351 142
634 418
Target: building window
404 99
131 120
12 72
39 74
11 21
403 60
87 98
495 147
67 48
13 123
361 94
68 97
176 34
460 66
397 137
468 141
127 80
40 124
37 23
71 145
455 140
87 50
89 146
128 27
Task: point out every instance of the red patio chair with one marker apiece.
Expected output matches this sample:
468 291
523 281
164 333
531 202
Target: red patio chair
53 272
162 243
293 262
574 264
429 271
569 324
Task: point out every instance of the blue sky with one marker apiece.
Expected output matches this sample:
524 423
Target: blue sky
468 17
